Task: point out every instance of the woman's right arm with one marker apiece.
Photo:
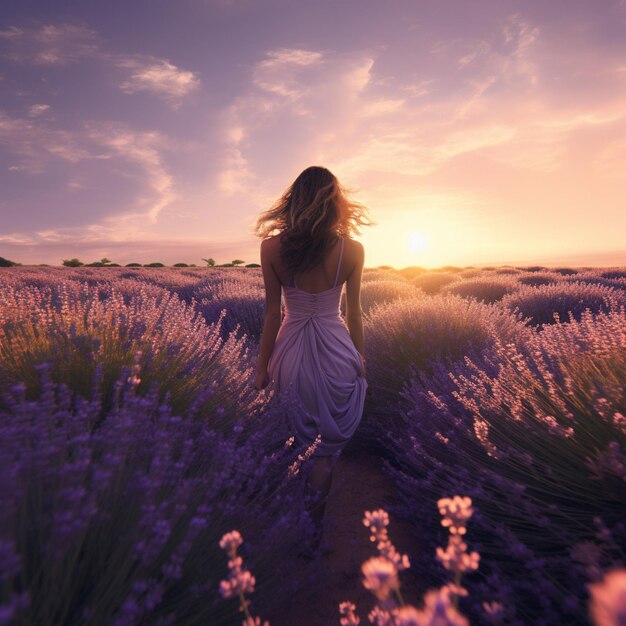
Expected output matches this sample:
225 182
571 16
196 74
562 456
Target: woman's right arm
354 316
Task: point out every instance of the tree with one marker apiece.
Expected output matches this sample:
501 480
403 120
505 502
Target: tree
237 262
105 261
72 263
209 262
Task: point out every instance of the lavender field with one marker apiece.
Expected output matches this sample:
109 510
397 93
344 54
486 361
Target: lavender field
133 441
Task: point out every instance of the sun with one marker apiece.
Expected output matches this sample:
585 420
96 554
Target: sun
417 242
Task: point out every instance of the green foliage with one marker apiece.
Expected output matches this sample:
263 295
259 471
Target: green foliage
72 263
210 262
6 263
154 265
253 265
133 265
237 262
180 265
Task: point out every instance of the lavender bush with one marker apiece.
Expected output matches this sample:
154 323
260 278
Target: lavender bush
539 304
420 334
595 277
374 292
240 304
539 444
432 282
76 327
376 273
485 289
507 271
116 521
411 272
533 268
615 273
470 272
538 278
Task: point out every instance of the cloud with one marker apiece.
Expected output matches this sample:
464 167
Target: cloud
281 70
157 76
49 44
64 44
293 101
38 109
34 143
142 149
127 152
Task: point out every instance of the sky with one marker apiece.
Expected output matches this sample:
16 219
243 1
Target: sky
475 131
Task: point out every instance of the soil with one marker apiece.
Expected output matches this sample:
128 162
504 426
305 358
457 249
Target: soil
359 484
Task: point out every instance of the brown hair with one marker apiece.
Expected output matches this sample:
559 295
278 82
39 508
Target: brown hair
310 215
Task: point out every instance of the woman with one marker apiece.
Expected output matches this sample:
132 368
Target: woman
313 353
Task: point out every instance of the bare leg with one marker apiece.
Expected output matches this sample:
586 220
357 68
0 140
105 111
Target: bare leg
317 490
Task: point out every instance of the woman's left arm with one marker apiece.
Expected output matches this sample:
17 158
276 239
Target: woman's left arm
272 319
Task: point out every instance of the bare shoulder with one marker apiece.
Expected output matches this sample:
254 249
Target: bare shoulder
355 248
270 245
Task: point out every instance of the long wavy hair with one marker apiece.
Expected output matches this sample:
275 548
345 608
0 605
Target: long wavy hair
310 216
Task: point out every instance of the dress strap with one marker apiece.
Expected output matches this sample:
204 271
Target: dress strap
339 264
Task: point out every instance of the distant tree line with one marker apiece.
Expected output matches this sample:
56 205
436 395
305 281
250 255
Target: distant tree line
107 263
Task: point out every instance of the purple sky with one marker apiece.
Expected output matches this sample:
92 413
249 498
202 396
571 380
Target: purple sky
476 132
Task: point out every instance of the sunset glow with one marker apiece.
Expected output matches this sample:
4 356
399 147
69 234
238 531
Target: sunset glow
417 243
476 133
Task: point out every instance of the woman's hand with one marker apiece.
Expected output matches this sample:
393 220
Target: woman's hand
261 380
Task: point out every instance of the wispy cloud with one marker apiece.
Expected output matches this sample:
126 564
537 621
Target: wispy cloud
63 44
37 146
144 150
49 44
281 71
157 76
38 109
299 89
34 143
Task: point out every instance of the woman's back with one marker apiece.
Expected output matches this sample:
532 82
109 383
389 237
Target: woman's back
344 262
317 279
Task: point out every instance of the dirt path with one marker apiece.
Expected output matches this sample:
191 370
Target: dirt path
359 484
